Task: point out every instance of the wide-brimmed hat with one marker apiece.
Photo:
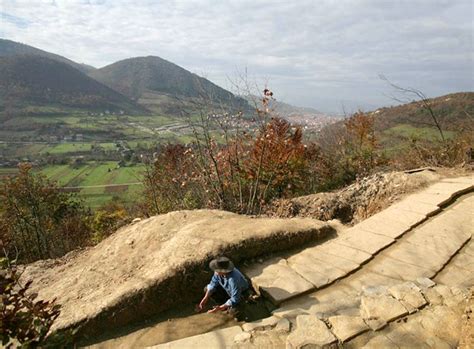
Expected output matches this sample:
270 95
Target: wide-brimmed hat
222 265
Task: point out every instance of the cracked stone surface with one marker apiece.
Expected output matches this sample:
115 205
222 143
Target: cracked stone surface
345 252
365 241
283 325
310 331
378 310
259 325
345 327
276 279
318 272
435 326
391 222
409 295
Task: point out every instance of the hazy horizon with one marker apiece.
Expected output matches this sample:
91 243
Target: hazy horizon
326 55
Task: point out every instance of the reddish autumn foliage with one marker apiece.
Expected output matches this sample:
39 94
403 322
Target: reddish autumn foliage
39 220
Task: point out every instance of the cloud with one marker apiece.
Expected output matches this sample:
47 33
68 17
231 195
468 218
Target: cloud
314 53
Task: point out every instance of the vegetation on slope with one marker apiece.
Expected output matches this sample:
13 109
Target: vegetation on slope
31 80
149 79
12 48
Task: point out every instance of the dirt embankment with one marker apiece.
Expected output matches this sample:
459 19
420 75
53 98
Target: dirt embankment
356 202
156 264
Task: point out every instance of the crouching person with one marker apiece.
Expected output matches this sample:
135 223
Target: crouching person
228 287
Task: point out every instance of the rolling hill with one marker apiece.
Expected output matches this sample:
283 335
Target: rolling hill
452 110
399 125
157 83
31 81
11 48
152 82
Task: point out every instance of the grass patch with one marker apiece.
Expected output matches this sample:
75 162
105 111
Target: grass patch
408 131
68 148
94 176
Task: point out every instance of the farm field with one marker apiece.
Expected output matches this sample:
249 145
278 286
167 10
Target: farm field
99 182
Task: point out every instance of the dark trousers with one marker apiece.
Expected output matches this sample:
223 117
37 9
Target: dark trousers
220 296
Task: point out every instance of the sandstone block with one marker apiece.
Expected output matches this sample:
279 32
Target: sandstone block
365 241
277 280
263 324
317 272
379 310
418 207
345 252
242 337
310 331
347 327
283 325
409 295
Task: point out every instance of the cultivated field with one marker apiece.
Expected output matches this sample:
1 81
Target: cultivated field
99 182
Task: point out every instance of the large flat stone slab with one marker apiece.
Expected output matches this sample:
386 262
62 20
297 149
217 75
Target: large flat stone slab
413 204
310 331
368 278
378 310
438 242
316 253
396 269
345 252
277 280
419 255
317 272
392 222
454 276
432 197
464 261
212 340
365 241
409 295
346 327
338 299
469 248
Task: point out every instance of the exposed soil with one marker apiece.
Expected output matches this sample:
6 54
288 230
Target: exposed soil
138 272
358 201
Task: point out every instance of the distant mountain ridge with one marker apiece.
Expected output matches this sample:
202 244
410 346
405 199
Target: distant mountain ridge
11 48
38 81
146 79
151 82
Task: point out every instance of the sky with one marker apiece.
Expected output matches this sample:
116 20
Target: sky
325 54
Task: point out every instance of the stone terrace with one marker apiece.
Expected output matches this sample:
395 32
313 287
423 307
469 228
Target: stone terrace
354 289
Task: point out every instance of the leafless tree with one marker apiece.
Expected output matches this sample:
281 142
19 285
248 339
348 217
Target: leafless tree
422 99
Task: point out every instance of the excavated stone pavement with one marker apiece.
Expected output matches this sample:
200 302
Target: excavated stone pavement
137 272
384 296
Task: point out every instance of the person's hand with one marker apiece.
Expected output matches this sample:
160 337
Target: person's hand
202 304
217 308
